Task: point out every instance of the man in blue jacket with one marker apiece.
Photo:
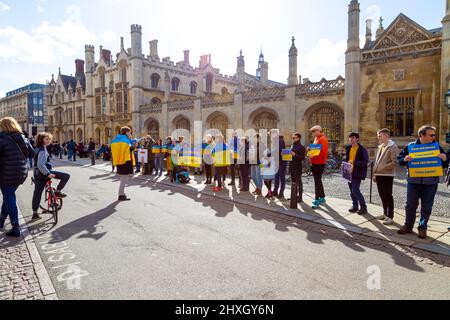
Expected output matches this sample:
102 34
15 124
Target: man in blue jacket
423 189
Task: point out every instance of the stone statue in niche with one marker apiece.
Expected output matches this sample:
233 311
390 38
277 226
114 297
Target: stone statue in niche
399 74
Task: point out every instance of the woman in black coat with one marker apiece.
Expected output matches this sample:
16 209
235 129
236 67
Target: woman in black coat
14 152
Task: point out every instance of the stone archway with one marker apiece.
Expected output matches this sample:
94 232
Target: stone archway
264 118
181 127
218 120
98 136
79 135
330 117
151 127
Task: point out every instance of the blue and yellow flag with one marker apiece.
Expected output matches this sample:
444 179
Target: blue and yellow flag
286 155
314 150
421 151
221 155
120 150
426 168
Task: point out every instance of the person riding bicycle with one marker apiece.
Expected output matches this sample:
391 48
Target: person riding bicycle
43 172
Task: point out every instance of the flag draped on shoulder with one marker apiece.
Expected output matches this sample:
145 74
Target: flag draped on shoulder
121 150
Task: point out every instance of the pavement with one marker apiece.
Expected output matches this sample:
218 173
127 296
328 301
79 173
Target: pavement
185 242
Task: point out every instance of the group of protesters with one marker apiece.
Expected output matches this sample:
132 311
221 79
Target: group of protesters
266 165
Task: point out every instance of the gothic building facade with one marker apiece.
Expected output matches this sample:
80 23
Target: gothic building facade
397 80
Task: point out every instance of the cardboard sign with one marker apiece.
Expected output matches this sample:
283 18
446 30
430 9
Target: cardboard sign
142 156
423 151
426 168
314 150
286 155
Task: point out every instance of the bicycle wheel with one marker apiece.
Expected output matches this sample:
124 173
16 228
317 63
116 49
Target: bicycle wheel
49 209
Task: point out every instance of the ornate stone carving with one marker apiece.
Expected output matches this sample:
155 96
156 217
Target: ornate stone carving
322 87
399 74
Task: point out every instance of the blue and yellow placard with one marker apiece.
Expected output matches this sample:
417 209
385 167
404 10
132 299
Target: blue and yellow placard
423 151
314 150
286 155
426 168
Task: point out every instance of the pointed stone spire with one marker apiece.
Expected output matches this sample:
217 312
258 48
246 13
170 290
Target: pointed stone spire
122 46
293 54
380 29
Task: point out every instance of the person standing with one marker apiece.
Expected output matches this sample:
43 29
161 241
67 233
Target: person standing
318 165
244 164
208 161
222 159
358 157
71 150
420 189
148 144
280 177
136 148
268 171
256 165
384 173
159 166
33 145
43 172
234 146
14 152
168 156
123 159
298 156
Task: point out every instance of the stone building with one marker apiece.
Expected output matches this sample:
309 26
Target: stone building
397 80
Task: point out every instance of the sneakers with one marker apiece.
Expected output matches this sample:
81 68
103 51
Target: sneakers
322 201
269 195
123 198
405 230
232 184
422 233
35 217
60 194
381 217
363 211
280 196
257 192
353 210
217 189
315 204
388 221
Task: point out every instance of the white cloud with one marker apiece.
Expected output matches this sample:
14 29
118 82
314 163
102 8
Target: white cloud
47 43
4 7
373 12
326 60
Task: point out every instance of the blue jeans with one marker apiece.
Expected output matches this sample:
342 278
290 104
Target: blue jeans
424 193
281 177
69 154
256 176
355 193
159 164
39 187
9 205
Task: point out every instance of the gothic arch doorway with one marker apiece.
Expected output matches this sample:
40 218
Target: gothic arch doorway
264 118
151 127
330 117
218 121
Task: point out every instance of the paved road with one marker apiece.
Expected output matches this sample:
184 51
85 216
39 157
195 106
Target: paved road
170 245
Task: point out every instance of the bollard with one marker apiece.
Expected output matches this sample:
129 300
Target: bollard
294 192
92 158
371 180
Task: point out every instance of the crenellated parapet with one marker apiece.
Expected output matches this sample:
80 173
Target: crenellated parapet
322 87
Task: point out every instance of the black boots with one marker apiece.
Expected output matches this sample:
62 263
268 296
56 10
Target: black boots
363 211
124 198
14 232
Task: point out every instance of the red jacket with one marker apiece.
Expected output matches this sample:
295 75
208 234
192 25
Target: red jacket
322 158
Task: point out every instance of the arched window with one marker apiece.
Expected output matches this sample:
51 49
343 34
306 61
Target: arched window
209 82
224 91
175 84
193 87
123 72
156 102
155 81
101 75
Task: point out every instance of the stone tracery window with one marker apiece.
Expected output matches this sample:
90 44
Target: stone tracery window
219 122
175 84
265 120
193 87
399 114
155 81
331 121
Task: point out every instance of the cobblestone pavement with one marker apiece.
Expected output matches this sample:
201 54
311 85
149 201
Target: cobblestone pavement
18 280
336 187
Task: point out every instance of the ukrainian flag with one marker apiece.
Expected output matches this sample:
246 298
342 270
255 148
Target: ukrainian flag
221 155
121 150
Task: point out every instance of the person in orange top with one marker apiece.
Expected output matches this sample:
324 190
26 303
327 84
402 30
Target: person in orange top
318 165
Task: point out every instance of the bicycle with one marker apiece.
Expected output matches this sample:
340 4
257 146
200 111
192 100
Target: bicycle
53 203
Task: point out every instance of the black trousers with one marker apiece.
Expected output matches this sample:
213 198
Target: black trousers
245 175
219 174
39 186
385 186
234 171
296 176
317 171
208 171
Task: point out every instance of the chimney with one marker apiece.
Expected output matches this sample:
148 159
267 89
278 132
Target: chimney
122 47
186 57
368 31
101 51
79 68
106 55
154 49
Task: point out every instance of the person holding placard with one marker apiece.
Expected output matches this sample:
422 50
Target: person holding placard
318 154
244 164
425 161
280 177
222 159
207 148
358 157
158 152
298 153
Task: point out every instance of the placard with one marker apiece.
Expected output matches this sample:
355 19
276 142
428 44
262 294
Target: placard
426 168
314 150
142 156
423 151
346 171
286 155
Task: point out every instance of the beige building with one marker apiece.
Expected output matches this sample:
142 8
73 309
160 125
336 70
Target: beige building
397 80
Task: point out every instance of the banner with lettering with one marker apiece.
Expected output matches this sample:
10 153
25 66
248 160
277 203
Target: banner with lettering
421 151
426 162
314 150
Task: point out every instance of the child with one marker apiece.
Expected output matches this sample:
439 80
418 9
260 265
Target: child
268 172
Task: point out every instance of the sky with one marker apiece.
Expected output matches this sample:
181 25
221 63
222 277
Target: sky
39 36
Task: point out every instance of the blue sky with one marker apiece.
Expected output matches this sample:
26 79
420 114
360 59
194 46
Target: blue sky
38 36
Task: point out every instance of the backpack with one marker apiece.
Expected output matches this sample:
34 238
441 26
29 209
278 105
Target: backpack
183 177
